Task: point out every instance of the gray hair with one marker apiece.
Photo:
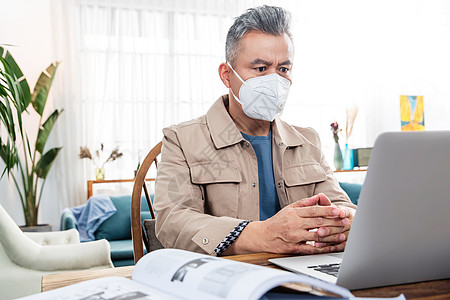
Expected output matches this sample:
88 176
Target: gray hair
267 19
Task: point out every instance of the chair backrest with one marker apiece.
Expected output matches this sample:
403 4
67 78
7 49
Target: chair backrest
14 241
352 189
137 233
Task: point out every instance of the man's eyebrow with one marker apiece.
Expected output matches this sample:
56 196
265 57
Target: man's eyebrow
286 62
260 61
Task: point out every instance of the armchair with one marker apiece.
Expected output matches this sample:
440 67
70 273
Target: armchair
25 257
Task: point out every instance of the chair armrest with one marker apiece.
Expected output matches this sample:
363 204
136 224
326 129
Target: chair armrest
70 236
68 220
25 252
95 254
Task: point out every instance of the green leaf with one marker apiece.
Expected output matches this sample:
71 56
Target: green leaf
42 88
6 118
44 132
8 153
28 146
3 156
3 151
43 166
13 69
15 97
3 87
7 113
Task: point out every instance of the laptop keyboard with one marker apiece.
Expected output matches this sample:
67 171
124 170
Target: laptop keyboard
330 269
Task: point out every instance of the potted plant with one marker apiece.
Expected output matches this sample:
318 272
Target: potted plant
25 165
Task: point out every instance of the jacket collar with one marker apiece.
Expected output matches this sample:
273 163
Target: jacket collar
223 130
284 133
225 133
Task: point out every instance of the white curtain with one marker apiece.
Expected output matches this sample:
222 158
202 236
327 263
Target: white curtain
67 185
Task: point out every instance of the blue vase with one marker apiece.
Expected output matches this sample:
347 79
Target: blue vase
338 161
349 161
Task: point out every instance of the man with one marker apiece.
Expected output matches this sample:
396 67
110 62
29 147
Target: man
238 179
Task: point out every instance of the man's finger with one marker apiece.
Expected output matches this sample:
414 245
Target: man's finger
299 236
320 199
346 212
307 201
323 200
311 223
327 231
334 238
318 211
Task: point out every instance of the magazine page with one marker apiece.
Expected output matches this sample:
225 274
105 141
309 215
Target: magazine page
111 288
197 276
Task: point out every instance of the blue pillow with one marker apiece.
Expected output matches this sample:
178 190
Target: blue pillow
118 226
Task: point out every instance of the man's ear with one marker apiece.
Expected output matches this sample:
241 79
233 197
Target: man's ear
224 73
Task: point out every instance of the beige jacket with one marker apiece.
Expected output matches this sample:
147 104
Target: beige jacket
207 180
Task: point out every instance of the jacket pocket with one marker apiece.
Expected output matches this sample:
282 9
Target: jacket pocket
220 187
300 181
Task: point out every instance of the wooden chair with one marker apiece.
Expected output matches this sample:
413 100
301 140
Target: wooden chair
139 235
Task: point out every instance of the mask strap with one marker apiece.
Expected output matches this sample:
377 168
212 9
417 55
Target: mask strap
235 97
235 73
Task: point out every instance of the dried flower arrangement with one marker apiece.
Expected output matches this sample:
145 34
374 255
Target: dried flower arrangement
335 129
98 160
351 113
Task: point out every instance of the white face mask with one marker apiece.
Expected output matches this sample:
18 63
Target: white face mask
263 97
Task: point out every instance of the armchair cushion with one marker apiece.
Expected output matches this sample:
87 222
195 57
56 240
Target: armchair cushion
55 237
118 226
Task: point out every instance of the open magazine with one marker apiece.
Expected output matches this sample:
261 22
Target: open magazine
179 274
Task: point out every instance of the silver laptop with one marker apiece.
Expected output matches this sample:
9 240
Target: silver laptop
401 231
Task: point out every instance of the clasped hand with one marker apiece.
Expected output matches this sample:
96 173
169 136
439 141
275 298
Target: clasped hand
311 219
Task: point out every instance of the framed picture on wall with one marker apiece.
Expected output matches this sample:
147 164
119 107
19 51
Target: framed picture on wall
412 113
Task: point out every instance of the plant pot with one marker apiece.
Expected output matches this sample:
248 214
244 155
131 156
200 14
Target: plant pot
38 228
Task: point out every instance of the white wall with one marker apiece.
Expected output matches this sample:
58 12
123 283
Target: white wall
27 24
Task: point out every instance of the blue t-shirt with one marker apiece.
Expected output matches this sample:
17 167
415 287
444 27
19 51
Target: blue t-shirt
268 198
